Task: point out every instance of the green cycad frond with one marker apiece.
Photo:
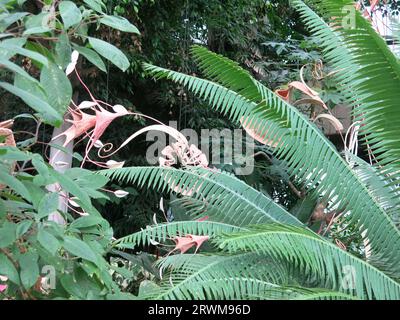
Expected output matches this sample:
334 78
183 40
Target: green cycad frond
310 156
227 101
309 252
199 276
230 288
198 208
321 294
368 71
379 186
161 232
226 72
232 196
241 276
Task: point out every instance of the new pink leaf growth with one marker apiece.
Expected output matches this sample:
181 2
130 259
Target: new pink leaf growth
183 244
3 287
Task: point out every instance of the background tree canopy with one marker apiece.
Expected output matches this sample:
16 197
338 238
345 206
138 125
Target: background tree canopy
81 79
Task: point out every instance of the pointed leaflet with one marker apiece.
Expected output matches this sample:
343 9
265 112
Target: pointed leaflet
92 56
57 87
48 114
110 52
119 23
79 248
70 13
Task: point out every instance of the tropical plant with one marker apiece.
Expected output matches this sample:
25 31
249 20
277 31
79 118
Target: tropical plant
48 37
41 258
260 250
53 241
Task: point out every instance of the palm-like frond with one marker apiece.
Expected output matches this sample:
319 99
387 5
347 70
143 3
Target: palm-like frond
367 70
243 204
306 151
217 277
380 187
161 232
238 276
311 253
234 77
321 294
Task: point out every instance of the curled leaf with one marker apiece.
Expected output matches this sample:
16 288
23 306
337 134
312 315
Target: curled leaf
71 66
301 86
120 193
61 164
73 203
98 144
86 104
333 120
120 109
284 94
254 132
74 56
154 243
111 164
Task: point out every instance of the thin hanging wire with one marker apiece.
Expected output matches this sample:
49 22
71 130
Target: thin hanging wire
185 66
108 63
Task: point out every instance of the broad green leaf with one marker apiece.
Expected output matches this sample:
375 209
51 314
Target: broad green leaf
3 211
70 13
119 23
36 30
7 234
92 56
79 248
40 165
29 268
7 54
48 114
83 285
82 29
70 186
14 154
15 49
41 49
48 204
9 180
71 286
57 86
7 19
39 23
121 296
8 269
96 5
75 155
32 87
23 227
63 51
90 180
16 206
110 52
48 241
17 69
87 221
